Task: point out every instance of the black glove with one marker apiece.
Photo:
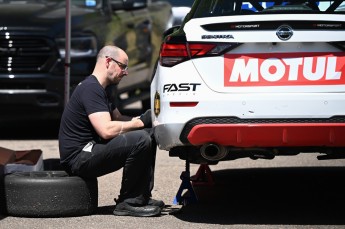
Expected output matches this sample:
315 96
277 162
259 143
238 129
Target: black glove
146 119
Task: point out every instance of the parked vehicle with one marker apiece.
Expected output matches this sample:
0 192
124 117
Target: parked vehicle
180 8
32 50
252 79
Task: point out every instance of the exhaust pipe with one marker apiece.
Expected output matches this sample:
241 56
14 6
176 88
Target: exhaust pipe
213 152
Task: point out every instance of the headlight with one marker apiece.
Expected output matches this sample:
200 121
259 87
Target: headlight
80 46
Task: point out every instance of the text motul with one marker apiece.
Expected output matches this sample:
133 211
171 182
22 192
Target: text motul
280 69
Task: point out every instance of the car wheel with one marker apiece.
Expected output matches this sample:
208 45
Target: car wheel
48 194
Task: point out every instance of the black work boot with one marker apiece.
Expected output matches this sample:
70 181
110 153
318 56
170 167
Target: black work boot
158 203
127 209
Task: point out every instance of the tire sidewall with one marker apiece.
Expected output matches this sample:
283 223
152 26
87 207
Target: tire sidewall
49 193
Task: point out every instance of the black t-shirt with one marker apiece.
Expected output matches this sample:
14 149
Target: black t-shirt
75 127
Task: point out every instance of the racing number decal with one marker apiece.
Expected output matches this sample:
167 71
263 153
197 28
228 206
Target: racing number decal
284 69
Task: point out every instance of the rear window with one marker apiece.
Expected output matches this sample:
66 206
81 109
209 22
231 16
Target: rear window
210 8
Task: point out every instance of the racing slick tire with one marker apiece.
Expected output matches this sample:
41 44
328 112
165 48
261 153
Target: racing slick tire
48 194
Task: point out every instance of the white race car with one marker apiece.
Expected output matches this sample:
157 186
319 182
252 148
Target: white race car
252 79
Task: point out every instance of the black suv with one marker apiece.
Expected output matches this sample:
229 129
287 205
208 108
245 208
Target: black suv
32 50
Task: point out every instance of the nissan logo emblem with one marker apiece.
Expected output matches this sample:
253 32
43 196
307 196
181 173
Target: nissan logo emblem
284 32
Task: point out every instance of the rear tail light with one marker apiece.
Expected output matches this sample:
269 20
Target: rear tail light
172 54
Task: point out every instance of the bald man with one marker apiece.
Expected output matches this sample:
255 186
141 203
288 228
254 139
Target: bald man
96 139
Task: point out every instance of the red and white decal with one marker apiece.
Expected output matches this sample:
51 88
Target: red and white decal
284 69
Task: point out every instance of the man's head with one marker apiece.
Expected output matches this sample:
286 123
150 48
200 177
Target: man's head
111 65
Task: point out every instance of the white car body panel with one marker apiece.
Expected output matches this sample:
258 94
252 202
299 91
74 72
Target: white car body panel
245 105
308 80
194 31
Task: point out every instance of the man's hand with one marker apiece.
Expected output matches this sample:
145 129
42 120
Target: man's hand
146 119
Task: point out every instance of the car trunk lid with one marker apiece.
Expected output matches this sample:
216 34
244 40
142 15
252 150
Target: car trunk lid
297 53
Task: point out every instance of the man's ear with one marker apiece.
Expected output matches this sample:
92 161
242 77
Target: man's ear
107 62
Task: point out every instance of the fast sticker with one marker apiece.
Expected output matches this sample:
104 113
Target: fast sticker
284 69
180 87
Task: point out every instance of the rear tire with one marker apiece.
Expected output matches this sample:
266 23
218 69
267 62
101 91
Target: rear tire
48 194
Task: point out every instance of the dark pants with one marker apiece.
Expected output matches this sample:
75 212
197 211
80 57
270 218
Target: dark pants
135 152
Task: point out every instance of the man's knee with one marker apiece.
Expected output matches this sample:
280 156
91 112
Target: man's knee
144 139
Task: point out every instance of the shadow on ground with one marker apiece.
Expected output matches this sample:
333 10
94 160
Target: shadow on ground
271 196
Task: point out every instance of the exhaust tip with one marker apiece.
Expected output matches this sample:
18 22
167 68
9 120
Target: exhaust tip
213 152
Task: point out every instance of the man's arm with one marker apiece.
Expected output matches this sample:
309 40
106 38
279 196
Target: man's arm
120 117
107 129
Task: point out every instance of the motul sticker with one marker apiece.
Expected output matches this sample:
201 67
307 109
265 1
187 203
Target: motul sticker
284 69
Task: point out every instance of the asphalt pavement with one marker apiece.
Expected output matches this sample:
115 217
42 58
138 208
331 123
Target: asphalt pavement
286 192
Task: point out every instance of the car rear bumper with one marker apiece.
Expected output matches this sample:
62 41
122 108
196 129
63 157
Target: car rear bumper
270 135
253 133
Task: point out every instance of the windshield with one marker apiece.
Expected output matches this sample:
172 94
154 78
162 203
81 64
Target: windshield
79 3
209 8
